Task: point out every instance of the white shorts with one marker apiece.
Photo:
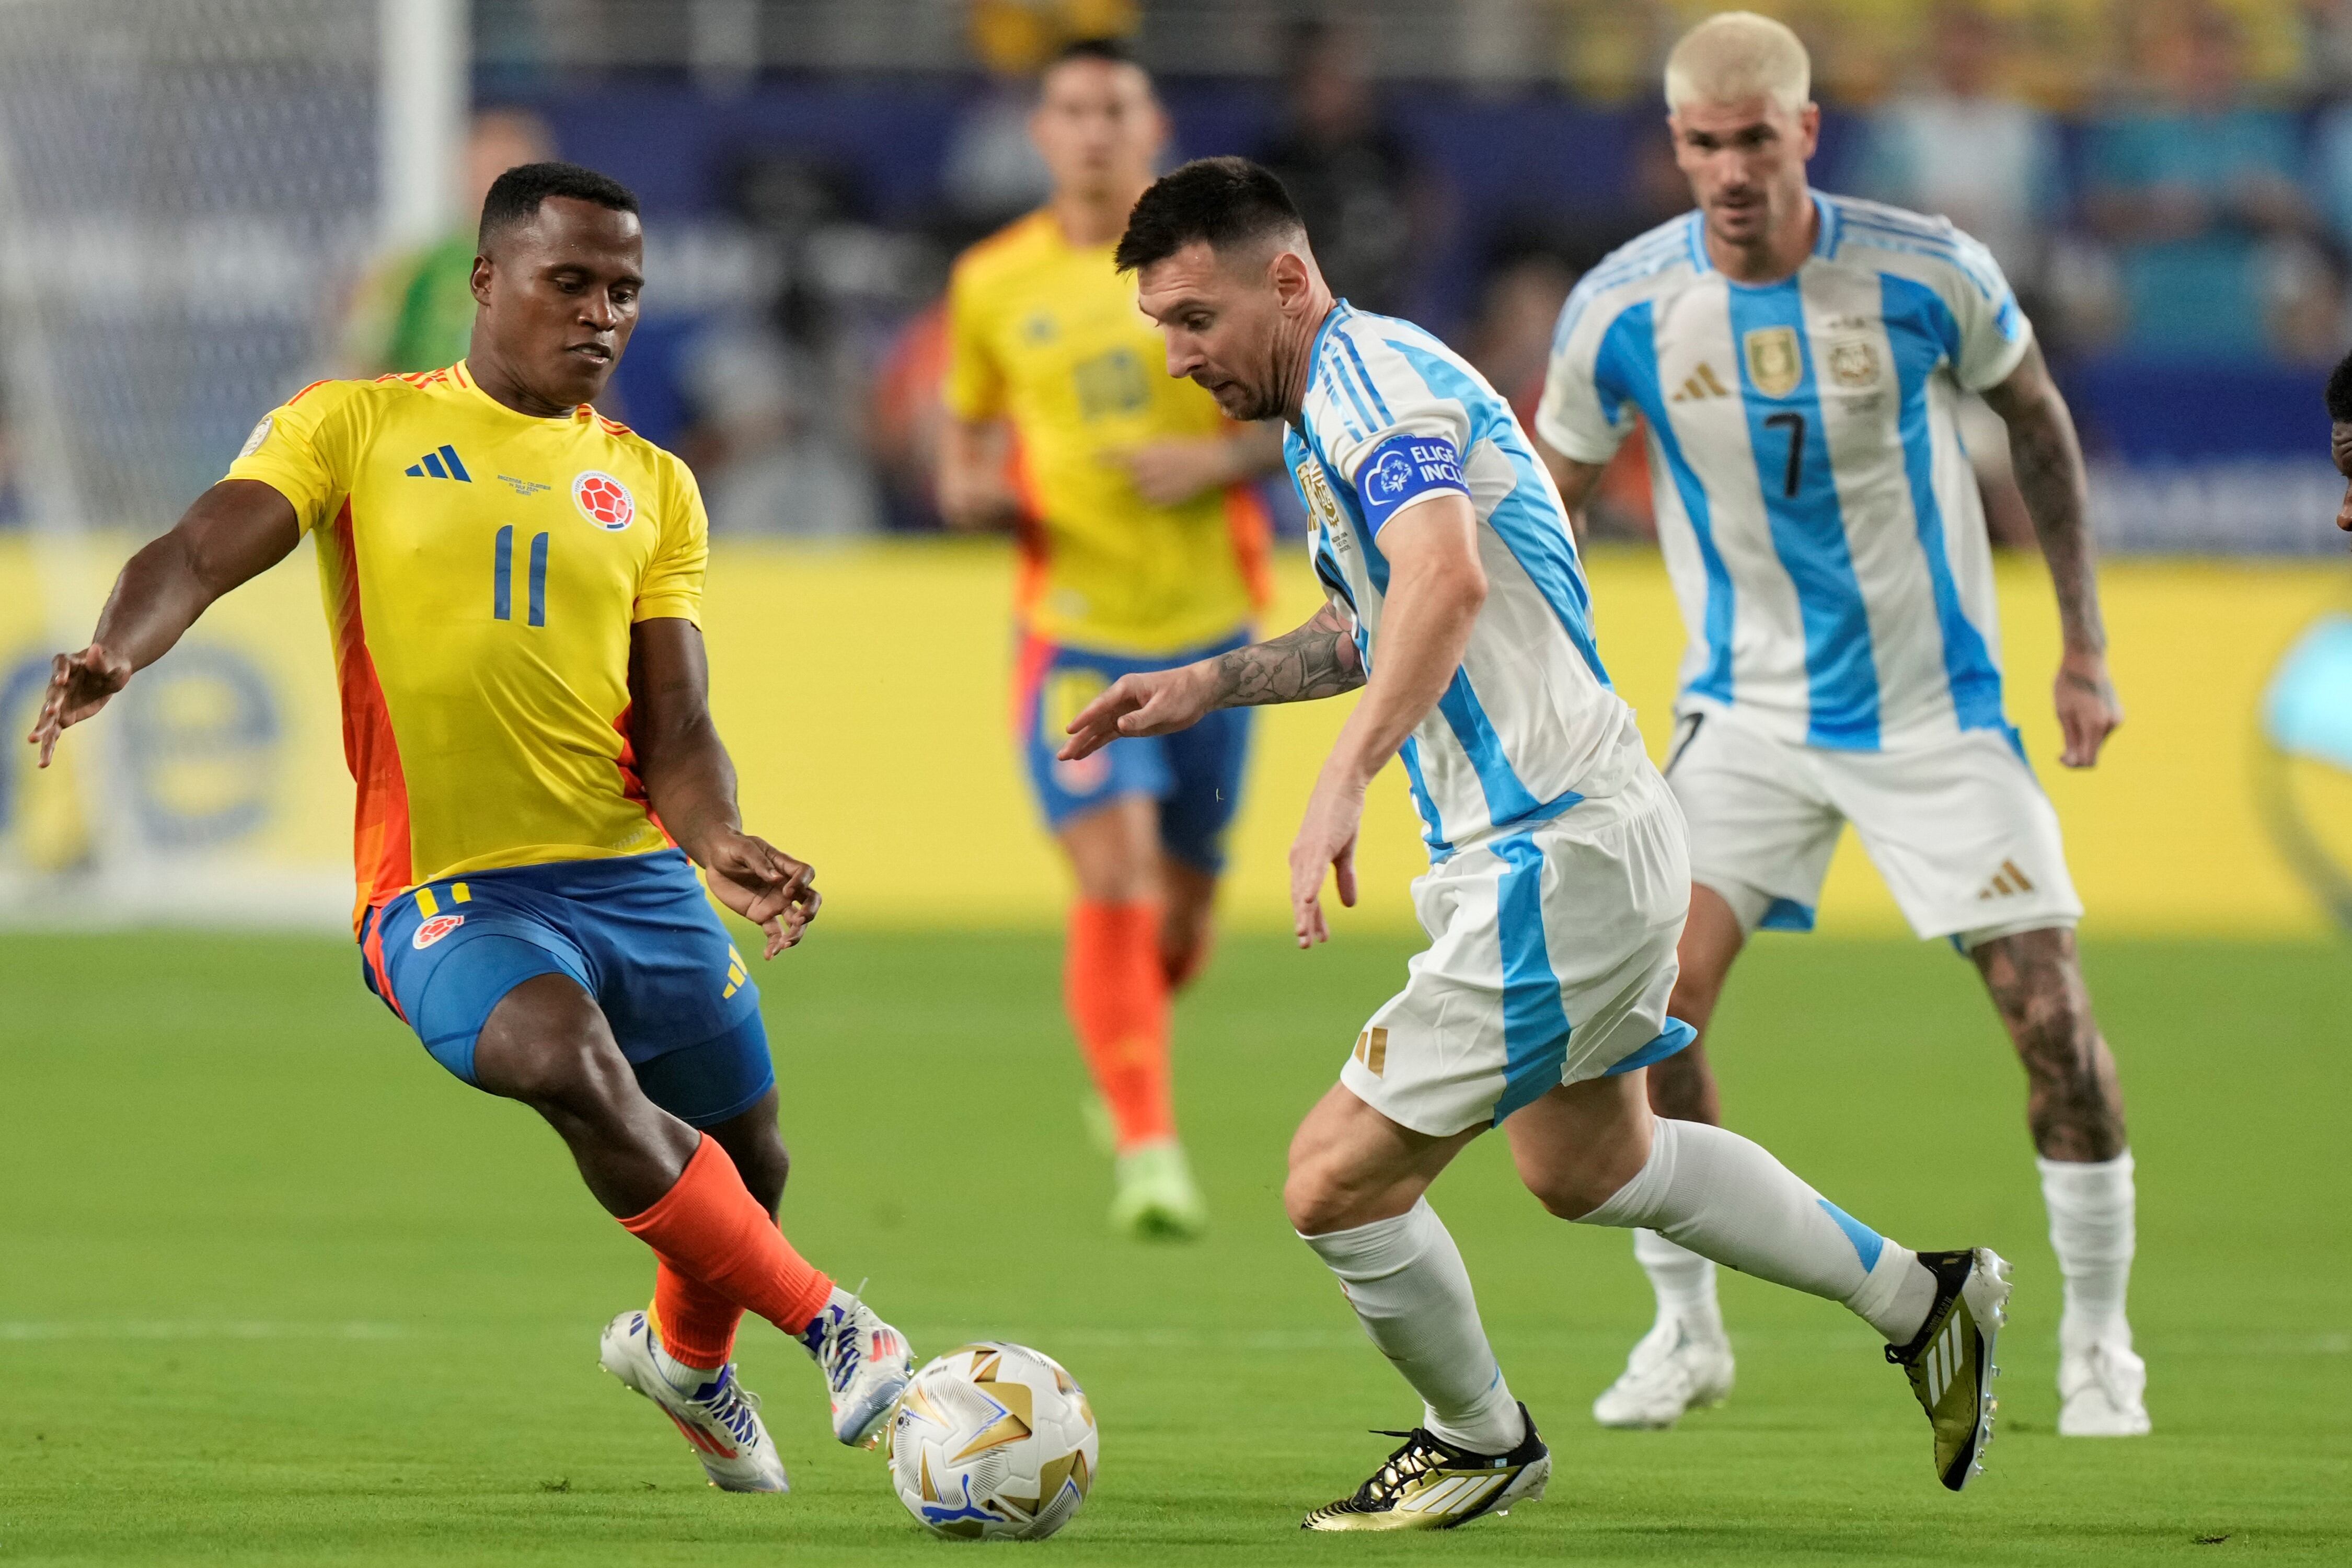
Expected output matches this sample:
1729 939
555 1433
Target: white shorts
1552 953
1965 839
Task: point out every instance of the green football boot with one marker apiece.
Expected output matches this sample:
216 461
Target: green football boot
1950 1361
1430 1484
1156 1197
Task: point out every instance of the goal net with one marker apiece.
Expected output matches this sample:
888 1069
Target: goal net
188 189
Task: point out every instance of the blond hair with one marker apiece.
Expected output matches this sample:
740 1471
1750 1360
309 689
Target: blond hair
1736 56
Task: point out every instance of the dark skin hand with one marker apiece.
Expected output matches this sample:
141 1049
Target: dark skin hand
558 295
559 299
691 783
236 531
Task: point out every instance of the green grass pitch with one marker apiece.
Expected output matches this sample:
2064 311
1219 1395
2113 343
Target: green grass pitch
274 1290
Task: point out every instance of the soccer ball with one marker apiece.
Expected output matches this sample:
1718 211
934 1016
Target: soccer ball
994 1442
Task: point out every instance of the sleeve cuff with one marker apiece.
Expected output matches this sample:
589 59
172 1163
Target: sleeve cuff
668 607
308 514
2001 365
1574 448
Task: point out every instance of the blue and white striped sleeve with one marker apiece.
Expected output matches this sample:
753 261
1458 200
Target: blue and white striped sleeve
1994 333
1578 417
1388 437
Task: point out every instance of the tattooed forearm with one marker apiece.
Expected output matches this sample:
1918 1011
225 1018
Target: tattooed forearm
2050 476
1316 660
2048 461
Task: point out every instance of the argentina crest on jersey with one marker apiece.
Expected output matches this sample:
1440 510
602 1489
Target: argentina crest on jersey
1817 510
1315 490
1330 542
1526 726
1776 361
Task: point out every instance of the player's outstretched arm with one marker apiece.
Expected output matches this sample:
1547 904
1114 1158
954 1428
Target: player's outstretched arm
1318 659
234 531
1437 587
690 782
1171 472
2050 475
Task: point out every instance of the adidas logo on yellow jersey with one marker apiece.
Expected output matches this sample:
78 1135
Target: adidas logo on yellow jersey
440 464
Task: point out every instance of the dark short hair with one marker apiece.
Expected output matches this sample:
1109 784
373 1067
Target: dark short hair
1227 202
515 196
2339 392
1109 51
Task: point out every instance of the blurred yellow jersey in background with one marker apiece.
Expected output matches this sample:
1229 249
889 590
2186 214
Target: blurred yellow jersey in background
1046 336
482 569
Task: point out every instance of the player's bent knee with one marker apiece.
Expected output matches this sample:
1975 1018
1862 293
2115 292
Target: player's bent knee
1573 1195
1325 1212
2054 1031
1577 1146
586 1079
1313 1202
1321 1196
546 1044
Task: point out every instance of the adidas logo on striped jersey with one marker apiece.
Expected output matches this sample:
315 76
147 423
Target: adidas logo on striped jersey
440 464
1701 382
2007 881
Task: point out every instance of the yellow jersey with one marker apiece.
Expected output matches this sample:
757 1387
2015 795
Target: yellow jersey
1046 336
482 569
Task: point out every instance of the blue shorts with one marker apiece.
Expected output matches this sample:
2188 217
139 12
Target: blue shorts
1196 775
638 934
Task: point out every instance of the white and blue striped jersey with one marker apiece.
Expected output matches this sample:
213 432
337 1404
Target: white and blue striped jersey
1530 725
1817 512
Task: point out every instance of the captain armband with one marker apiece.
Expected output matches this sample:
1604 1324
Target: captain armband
1403 468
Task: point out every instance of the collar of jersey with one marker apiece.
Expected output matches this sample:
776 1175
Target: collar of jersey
465 379
1825 243
1314 349
1053 231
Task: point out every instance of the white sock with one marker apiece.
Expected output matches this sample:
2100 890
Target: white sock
2091 1229
1684 1283
1404 1277
1725 1198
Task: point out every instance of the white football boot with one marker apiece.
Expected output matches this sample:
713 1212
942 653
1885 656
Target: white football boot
1671 1369
2102 1392
720 1420
865 1364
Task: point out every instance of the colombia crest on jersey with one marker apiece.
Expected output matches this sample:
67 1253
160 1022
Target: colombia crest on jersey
482 569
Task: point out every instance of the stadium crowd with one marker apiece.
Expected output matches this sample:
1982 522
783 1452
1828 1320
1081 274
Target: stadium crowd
2168 183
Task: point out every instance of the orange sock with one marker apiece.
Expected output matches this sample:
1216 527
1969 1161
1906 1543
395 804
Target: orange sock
709 1227
695 1323
1116 988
